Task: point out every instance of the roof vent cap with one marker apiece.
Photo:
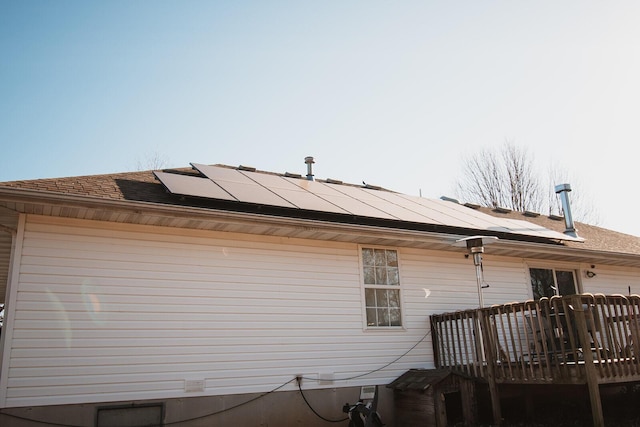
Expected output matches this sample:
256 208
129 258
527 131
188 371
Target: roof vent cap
563 190
309 161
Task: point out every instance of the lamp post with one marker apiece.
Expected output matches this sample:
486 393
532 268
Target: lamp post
476 252
475 245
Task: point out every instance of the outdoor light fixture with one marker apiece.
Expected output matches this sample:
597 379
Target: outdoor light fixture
475 245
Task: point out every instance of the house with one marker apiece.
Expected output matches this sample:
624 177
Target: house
217 294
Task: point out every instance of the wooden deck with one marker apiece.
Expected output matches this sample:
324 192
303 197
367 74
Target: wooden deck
577 339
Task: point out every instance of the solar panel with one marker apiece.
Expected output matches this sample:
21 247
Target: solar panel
486 222
186 185
430 212
352 205
492 223
295 194
276 190
241 187
461 214
523 227
389 203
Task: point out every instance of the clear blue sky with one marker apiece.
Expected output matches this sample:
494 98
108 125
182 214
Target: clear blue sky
393 93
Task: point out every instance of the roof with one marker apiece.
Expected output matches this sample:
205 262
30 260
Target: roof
421 379
139 197
595 238
244 189
126 186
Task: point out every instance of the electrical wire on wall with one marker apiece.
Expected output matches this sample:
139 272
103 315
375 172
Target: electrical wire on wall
48 423
380 368
299 381
357 376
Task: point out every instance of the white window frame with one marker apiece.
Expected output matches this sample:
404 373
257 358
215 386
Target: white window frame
554 268
366 286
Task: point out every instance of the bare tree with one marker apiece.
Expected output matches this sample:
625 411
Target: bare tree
523 188
507 177
500 178
483 180
151 161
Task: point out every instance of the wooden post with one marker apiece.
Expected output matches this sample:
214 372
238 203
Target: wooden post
489 346
469 407
436 340
590 368
440 409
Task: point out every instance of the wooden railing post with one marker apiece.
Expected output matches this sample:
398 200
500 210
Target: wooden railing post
590 368
579 339
489 344
435 342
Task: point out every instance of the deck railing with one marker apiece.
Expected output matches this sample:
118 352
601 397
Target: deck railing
551 340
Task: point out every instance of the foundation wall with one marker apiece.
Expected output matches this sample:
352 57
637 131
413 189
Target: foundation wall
281 409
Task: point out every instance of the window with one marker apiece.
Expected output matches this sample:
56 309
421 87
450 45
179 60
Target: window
547 282
381 287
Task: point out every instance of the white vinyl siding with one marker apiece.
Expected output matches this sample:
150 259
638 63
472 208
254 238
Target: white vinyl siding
611 280
450 279
111 312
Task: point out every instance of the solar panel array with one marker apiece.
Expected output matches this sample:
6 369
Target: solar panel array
261 188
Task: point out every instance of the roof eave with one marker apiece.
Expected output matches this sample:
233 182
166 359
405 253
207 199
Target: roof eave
227 220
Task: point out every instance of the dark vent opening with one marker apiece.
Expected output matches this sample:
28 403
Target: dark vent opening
150 415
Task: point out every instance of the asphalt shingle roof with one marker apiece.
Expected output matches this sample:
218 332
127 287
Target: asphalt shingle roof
133 186
142 186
